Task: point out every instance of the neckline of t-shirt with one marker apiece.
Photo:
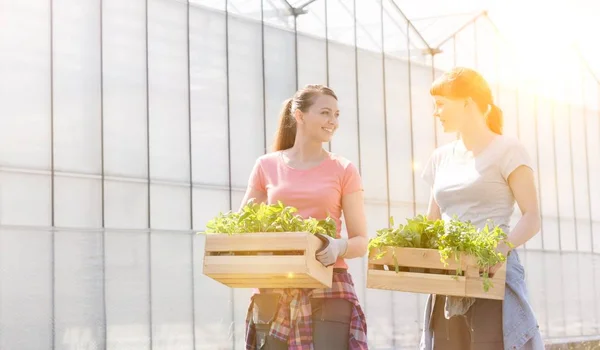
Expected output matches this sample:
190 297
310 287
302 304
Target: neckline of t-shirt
282 160
483 151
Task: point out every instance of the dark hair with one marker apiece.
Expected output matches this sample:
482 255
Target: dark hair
463 82
303 99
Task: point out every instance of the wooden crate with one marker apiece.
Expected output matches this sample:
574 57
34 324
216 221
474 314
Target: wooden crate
421 271
266 260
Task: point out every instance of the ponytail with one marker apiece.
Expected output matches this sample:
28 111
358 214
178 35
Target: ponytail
494 119
286 132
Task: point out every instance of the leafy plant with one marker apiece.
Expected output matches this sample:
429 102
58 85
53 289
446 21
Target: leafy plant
450 238
261 217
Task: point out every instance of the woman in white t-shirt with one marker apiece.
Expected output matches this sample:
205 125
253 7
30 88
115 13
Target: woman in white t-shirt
477 178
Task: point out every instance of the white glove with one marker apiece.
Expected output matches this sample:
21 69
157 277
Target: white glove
336 248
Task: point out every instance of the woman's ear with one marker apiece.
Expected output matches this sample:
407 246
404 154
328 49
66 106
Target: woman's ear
299 116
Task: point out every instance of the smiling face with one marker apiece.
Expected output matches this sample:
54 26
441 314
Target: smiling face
320 121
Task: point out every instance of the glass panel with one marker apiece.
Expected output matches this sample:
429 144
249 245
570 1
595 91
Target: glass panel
246 104
423 126
548 195
212 4
78 299
126 204
124 69
562 139
214 302
25 72
527 109
26 295
280 76
580 173
555 295
572 294
78 202
372 128
466 54
368 22
395 27
399 138
312 22
276 13
245 8
588 293
77 146
127 290
593 145
25 199
342 79
170 207
312 61
209 97
340 21
207 204
507 101
377 303
535 271
171 291
168 91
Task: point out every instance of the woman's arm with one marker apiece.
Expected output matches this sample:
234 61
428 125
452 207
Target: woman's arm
433 211
356 224
353 207
251 192
522 184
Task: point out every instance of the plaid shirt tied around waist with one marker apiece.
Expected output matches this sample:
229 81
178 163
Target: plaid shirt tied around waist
293 320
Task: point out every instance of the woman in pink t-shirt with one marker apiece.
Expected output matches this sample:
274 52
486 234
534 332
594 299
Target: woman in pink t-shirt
300 173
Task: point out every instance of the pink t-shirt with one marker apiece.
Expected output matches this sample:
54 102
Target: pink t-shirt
315 192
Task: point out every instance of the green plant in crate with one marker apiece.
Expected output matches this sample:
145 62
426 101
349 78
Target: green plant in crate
261 217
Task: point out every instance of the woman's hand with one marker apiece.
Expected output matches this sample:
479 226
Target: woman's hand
336 248
504 249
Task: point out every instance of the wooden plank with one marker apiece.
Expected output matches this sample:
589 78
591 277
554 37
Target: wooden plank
416 282
474 288
269 281
417 257
253 265
271 241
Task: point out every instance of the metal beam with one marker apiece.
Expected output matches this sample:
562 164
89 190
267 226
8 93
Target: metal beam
308 2
463 27
410 25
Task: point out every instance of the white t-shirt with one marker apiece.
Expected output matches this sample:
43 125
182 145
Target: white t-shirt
475 188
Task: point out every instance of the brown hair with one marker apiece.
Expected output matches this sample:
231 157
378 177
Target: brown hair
463 82
303 99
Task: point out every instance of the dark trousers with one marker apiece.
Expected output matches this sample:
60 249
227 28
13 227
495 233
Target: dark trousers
479 329
330 317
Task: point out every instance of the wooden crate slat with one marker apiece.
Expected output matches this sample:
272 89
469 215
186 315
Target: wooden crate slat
474 288
251 265
269 281
418 257
415 282
272 241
